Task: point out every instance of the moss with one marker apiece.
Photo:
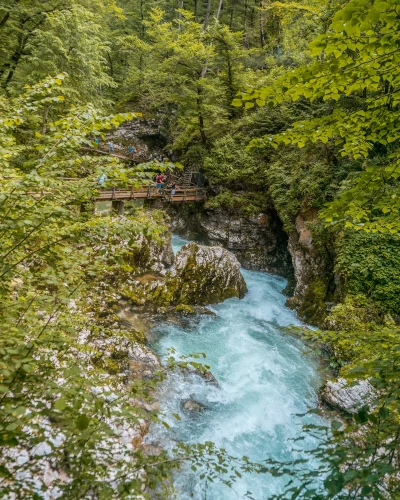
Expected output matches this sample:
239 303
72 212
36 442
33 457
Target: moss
184 309
369 265
355 313
246 204
137 297
311 306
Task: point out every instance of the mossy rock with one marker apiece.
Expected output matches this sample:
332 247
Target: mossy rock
202 275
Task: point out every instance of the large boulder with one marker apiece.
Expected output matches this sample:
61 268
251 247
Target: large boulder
201 275
152 255
347 398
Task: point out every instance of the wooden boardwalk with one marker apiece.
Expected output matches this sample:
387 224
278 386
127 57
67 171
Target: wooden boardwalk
182 194
148 192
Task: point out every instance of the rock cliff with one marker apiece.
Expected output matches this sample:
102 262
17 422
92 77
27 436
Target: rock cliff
312 270
258 241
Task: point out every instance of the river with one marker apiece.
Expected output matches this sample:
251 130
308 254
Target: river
265 381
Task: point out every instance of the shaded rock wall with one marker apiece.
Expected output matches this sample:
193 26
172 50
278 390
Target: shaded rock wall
312 270
258 241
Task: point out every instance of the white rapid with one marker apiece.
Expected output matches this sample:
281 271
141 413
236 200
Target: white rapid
265 380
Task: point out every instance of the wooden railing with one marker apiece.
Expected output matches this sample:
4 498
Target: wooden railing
182 194
146 192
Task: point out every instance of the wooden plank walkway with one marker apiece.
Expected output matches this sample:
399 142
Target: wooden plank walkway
181 195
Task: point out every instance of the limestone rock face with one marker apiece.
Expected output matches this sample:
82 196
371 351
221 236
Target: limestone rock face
346 398
145 135
142 361
149 255
258 241
311 268
203 275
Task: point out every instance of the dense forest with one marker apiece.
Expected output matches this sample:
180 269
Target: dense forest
291 106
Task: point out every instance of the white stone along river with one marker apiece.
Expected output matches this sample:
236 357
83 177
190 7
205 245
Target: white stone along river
266 379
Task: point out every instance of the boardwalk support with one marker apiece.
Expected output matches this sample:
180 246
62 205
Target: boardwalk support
118 206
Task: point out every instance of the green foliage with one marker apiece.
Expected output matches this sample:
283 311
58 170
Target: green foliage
49 37
369 265
244 204
359 455
229 164
299 180
357 71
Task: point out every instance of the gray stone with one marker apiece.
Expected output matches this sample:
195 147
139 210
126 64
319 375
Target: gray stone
258 241
142 361
204 275
190 406
347 398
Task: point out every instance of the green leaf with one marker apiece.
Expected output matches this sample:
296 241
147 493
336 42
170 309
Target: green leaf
82 422
60 404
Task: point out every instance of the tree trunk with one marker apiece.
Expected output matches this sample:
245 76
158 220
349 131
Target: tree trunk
200 115
262 34
180 6
142 30
7 14
246 35
207 16
195 10
111 65
205 69
45 116
15 59
219 10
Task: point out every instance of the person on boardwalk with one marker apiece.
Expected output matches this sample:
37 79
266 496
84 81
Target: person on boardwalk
111 147
97 141
163 181
159 182
102 179
131 150
173 190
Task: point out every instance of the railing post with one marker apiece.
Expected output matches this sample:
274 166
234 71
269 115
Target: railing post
148 192
113 193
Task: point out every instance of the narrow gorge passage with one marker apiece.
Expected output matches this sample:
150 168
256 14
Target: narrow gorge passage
265 380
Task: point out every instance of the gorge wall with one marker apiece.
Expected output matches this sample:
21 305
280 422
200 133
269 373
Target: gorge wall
261 244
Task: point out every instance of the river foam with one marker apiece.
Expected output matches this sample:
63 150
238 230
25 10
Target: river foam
265 380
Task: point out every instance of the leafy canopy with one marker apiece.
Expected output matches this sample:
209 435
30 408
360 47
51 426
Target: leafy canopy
357 72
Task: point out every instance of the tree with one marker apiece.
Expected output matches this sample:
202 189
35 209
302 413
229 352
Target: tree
41 38
357 73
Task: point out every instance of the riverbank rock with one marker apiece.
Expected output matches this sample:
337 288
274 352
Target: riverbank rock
151 255
143 362
347 398
201 275
192 407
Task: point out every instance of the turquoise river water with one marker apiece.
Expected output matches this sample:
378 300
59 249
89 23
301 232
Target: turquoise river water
266 379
